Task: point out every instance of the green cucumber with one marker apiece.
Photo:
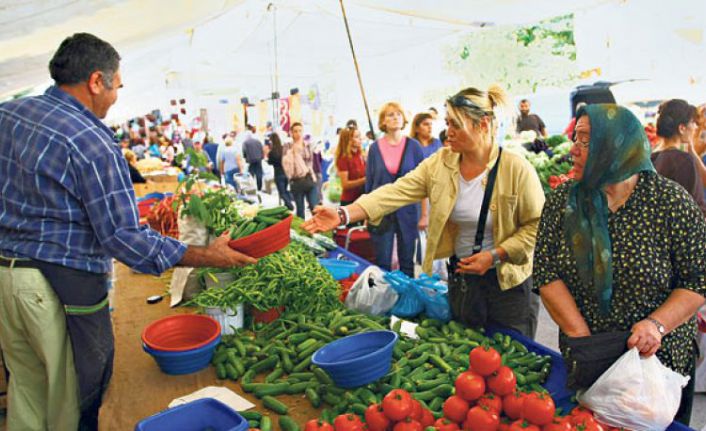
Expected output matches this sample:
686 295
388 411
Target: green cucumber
287 424
275 405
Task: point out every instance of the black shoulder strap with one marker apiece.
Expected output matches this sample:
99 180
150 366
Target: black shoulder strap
483 217
398 175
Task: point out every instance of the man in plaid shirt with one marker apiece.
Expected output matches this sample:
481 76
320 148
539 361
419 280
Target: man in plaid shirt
67 207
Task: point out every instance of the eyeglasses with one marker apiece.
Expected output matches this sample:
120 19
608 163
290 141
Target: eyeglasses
582 144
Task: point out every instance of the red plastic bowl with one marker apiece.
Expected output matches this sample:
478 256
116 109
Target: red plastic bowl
266 241
181 332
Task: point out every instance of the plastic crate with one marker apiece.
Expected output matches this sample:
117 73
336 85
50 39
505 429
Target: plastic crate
206 413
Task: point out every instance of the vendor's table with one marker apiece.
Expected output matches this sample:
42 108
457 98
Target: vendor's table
138 388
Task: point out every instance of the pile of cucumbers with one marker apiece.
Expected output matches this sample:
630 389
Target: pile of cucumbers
426 367
264 219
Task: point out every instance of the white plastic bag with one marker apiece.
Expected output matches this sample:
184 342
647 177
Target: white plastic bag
371 294
192 231
636 393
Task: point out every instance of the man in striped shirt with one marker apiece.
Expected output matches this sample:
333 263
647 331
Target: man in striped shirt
67 207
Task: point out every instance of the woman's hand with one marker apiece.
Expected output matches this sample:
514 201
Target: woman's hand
423 223
325 219
645 337
478 264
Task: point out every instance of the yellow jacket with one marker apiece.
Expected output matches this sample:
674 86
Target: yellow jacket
516 207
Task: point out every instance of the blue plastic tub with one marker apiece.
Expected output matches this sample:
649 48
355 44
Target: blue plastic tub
339 269
358 359
198 415
184 362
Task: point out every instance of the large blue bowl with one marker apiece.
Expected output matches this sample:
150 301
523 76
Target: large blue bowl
339 269
204 413
358 359
186 361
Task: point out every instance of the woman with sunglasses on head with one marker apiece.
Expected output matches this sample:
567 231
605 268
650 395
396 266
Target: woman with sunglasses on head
484 212
620 259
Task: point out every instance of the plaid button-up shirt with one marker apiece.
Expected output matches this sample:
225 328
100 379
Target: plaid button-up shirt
65 191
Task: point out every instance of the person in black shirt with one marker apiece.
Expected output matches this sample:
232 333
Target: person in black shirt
274 158
528 121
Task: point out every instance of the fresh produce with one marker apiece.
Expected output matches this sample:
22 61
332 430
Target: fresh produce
163 219
470 386
397 404
481 418
503 381
485 360
456 408
265 218
290 277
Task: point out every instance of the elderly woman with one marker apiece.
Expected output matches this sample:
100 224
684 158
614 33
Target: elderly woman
621 250
484 212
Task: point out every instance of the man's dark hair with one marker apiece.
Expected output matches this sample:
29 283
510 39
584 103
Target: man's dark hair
524 101
672 114
79 56
295 125
352 123
442 136
433 109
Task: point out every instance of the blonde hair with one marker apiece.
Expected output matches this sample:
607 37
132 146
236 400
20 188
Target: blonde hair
481 104
343 149
385 109
130 157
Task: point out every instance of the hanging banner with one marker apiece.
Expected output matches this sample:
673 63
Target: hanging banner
295 109
283 114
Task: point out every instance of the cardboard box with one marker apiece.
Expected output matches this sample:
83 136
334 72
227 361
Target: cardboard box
151 187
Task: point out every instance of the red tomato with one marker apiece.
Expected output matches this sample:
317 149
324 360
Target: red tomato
347 422
492 401
523 425
427 418
485 360
504 424
443 424
317 425
481 418
375 418
408 425
579 413
416 411
512 404
470 386
397 404
455 408
558 424
503 381
539 408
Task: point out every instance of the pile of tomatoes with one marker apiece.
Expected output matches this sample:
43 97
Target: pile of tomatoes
486 399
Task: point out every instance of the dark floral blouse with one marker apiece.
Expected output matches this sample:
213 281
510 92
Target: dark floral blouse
659 244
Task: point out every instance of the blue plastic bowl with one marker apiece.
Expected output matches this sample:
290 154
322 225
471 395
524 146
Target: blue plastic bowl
197 415
185 361
339 269
358 359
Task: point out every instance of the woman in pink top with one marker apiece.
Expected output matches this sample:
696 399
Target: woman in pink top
389 158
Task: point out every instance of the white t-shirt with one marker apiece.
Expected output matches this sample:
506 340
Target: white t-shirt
466 213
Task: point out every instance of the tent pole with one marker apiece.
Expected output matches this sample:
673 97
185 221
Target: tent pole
357 69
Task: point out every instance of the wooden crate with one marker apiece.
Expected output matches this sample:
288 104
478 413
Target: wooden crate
150 187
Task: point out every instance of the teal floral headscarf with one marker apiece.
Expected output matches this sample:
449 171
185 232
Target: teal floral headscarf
618 149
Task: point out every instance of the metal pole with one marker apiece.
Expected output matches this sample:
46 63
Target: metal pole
275 102
357 69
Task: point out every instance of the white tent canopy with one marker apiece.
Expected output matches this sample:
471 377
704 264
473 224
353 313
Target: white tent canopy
216 51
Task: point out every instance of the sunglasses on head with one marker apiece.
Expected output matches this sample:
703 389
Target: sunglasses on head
459 101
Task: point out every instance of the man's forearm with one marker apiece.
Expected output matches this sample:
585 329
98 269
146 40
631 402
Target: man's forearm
196 256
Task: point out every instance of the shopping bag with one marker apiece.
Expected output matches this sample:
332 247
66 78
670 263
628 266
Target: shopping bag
636 393
434 294
370 293
409 303
192 231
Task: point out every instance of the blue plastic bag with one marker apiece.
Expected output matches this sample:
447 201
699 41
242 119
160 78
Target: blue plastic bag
409 303
434 294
